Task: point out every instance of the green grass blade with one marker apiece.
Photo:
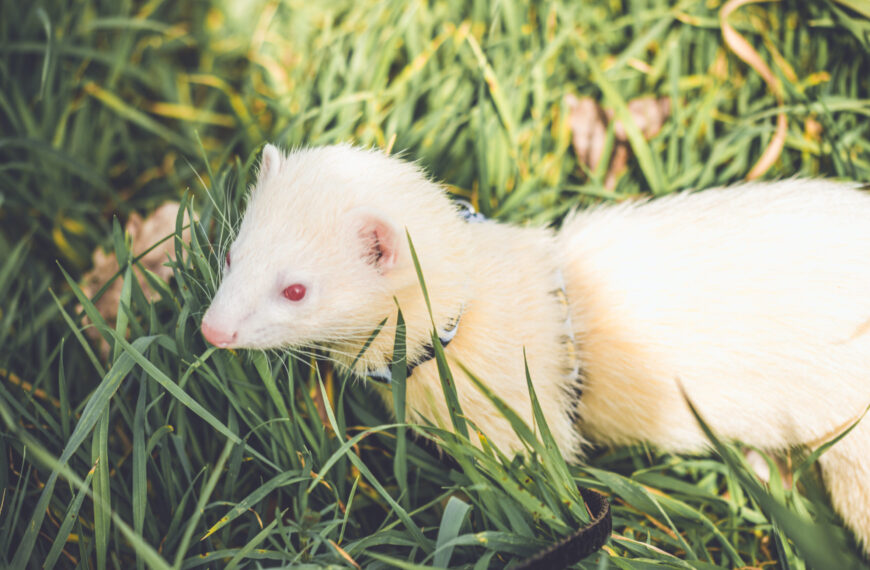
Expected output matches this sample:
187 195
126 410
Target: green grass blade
59 466
280 480
444 373
66 526
201 502
251 545
399 370
455 514
821 547
101 491
140 474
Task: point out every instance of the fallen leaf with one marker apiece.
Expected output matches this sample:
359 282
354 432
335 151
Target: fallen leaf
744 50
589 122
144 232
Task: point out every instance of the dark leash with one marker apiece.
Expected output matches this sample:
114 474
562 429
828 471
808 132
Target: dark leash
581 543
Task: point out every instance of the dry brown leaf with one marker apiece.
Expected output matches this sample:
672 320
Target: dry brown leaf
589 121
813 130
649 114
588 124
744 51
144 234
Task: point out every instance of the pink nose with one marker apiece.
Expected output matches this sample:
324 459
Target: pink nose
217 337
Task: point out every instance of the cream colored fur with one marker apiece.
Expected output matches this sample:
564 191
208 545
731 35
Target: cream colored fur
756 298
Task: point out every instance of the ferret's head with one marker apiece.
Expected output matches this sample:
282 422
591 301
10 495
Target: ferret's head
321 250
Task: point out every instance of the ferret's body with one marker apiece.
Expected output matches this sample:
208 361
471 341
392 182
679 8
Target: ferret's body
755 298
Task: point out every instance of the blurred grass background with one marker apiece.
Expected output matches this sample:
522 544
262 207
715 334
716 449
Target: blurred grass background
109 108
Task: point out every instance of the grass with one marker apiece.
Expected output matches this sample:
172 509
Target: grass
172 454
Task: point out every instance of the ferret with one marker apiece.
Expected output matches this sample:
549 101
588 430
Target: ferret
754 298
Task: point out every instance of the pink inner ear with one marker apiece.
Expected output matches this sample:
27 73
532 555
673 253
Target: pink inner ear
379 242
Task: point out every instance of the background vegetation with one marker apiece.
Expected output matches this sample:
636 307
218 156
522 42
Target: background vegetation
170 454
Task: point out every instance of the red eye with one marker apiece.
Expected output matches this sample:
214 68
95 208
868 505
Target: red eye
295 292
228 259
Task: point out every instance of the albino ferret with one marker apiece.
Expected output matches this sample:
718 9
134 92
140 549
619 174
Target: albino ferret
756 298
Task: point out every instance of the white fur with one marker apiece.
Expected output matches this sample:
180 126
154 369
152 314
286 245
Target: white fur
756 298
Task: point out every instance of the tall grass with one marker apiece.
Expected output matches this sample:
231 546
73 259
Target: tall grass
172 454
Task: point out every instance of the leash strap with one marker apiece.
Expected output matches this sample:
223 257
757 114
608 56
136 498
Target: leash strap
569 550
583 542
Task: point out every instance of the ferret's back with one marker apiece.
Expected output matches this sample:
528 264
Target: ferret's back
723 286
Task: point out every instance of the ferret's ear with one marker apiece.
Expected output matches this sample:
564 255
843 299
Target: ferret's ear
269 162
378 240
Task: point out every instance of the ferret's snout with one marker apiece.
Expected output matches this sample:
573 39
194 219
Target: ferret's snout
218 337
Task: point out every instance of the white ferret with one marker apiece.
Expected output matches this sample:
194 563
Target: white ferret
756 298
